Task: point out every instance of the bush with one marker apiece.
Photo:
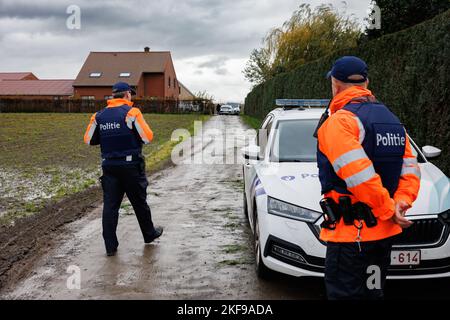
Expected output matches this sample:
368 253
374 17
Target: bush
409 72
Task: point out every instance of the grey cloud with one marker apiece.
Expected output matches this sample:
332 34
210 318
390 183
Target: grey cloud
214 63
192 27
31 10
221 71
217 64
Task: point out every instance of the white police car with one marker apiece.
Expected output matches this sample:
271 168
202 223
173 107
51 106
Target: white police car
282 194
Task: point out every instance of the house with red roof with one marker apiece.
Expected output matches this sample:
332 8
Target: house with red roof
25 85
151 73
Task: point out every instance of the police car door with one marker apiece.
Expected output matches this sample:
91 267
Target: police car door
250 175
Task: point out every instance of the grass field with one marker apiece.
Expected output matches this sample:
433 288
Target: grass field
252 122
43 157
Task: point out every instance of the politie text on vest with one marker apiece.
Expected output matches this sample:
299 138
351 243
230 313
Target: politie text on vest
110 126
390 140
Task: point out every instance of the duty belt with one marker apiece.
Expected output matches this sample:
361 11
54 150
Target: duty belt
350 213
132 158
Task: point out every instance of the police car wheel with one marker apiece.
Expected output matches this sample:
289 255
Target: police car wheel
261 270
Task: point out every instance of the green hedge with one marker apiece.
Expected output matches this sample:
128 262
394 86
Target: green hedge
409 72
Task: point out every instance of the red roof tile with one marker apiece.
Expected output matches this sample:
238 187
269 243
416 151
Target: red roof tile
111 64
36 88
16 75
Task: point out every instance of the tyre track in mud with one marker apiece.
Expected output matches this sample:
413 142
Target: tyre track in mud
22 244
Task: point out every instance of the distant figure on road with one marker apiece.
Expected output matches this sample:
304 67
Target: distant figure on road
120 130
218 109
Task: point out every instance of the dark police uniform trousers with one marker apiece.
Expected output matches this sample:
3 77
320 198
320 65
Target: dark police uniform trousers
347 269
118 180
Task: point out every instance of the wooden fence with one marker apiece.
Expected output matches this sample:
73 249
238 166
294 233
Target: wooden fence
91 106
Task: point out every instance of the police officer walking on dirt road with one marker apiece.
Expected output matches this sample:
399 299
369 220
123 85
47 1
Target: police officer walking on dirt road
370 178
120 130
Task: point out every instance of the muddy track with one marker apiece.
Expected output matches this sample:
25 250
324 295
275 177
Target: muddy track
206 250
22 244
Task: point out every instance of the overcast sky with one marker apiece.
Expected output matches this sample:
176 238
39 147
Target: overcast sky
210 40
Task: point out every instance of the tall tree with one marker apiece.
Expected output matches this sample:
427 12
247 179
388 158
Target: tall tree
259 67
307 36
397 15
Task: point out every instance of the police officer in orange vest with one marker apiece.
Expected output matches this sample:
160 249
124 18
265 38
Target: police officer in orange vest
120 130
370 178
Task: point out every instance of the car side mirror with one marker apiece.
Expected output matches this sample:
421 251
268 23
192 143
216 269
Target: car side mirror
431 152
251 152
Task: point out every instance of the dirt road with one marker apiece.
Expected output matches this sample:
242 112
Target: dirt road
205 252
